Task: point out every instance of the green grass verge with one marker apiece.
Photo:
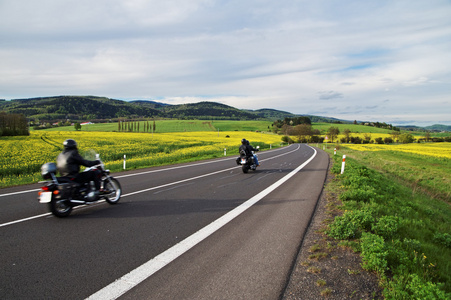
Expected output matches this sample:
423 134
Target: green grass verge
404 235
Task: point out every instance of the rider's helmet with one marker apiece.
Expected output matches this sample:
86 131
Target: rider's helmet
70 144
244 141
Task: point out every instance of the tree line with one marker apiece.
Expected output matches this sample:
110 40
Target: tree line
132 126
13 124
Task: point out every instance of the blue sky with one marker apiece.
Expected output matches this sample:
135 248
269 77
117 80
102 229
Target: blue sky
386 61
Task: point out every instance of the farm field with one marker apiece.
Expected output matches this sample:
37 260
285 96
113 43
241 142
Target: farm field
425 166
162 126
23 156
394 209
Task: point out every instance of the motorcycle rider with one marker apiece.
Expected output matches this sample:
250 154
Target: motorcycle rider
247 149
69 161
252 150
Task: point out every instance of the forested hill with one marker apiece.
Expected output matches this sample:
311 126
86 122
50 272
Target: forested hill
98 109
207 110
74 108
85 108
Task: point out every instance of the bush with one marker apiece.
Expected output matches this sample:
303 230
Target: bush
351 224
413 287
374 253
443 238
386 226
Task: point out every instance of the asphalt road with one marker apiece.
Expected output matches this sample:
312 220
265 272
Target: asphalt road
201 230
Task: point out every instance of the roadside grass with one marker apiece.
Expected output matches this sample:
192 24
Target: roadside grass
403 234
23 156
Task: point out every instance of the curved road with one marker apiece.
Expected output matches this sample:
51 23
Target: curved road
200 230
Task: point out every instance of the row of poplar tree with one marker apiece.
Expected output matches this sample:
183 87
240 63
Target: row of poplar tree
136 126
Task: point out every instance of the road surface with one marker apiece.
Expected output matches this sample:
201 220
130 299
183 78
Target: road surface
201 230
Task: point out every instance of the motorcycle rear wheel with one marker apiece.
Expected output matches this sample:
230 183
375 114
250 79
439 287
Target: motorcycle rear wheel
114 186
60 208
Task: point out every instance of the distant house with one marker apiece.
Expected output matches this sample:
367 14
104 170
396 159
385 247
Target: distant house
86 123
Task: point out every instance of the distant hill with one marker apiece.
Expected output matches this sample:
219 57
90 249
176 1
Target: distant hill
436 128
88 108
207 110
272 114
93 108
149 103
75 108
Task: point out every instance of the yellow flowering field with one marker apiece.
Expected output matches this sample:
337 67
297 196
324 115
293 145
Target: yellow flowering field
22 157
429 149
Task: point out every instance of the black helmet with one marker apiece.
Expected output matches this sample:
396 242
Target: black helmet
70 144
243 141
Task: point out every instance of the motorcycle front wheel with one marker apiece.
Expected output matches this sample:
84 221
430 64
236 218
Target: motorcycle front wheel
114 189
245 168
60 208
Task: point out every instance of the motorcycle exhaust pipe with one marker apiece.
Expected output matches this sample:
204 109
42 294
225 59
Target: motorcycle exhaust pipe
77 201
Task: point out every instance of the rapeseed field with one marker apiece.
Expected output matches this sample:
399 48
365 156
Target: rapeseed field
22 157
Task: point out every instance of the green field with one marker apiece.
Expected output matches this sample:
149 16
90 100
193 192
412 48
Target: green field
162 126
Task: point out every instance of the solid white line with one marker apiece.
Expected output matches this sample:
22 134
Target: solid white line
136 276
152 188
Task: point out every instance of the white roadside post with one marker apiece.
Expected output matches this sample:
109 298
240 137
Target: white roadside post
225 151
335 151
343 164
124 161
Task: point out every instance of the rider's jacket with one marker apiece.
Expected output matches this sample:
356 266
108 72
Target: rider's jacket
247 149
68 162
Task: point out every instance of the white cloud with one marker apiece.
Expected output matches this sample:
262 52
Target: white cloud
248 54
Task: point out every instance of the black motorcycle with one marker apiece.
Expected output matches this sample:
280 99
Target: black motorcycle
247 163
62 193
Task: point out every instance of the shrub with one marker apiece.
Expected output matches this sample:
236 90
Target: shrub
351 224
374 253
386 226
413 287
443 238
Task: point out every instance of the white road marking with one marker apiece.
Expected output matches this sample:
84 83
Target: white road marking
136 276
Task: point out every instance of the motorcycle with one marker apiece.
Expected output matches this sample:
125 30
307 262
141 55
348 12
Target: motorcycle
62 194
247 163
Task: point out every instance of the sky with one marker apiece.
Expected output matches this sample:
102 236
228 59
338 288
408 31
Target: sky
373 60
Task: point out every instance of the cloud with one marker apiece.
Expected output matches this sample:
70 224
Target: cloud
248 54
330 95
